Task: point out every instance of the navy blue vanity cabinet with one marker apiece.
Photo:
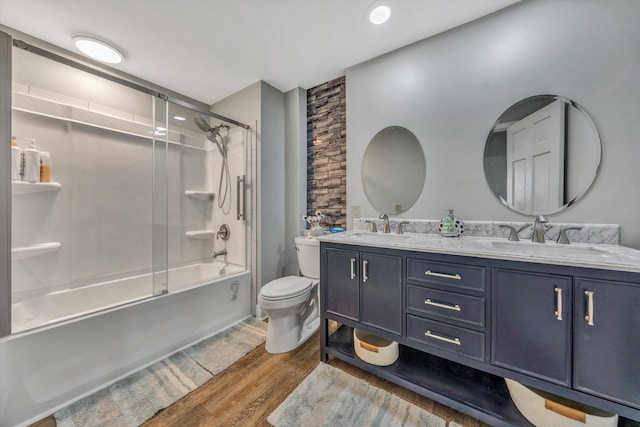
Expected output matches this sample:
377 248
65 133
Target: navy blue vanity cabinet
381 291
531 324
365 287
464 323
342 294
446 307
607 340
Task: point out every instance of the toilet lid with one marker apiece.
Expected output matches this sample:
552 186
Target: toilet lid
286 287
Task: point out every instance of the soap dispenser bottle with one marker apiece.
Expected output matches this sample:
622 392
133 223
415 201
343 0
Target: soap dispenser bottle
45 167
450 226
31 162
16 161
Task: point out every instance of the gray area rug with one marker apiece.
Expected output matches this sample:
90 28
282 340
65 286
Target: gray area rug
136 398
331 397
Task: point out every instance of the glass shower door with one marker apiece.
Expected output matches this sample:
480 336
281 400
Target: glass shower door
94 236
206 169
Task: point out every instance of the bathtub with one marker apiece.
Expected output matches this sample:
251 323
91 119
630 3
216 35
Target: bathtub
68 357
66 304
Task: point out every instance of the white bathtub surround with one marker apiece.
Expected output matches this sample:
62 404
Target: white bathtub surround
136 398
106 213
44 309
590 233
45 369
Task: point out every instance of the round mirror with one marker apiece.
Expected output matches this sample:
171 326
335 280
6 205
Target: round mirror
393 170
542 155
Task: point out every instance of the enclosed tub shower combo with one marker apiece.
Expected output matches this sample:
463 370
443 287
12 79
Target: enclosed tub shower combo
131 243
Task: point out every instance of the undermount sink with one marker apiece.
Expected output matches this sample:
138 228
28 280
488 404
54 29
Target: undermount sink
381 237
552 249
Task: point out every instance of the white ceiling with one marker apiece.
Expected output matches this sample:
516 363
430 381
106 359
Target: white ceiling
209 49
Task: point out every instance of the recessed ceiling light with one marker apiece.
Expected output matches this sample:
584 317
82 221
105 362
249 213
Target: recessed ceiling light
182 119
380 14
97 49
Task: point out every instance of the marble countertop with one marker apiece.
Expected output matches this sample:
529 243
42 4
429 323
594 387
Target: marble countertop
590 255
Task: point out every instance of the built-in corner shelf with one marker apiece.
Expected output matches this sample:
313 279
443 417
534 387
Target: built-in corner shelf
19 187
200 195
201 234
29 251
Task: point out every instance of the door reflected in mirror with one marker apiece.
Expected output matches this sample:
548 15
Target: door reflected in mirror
542 155
393 170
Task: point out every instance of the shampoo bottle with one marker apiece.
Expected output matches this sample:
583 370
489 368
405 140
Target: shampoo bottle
16 161
45 167
31 162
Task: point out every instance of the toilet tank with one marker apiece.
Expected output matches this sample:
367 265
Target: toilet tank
308 250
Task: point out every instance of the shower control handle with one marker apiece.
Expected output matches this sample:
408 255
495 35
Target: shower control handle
224 232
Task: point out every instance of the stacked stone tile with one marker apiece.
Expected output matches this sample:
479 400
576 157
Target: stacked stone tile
327 152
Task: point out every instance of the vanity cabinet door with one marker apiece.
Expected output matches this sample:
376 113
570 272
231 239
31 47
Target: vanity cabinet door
342 295
381 291
607 340
531 324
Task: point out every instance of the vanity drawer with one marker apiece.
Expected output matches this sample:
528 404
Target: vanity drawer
443 274
463 308
446 337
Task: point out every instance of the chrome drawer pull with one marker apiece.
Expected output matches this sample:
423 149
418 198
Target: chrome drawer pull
447 306
364 271
455 341
353 268
558 311
446 276
589 316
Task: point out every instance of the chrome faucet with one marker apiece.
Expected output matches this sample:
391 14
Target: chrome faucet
385 220
538 230
219 253
563 239
399 226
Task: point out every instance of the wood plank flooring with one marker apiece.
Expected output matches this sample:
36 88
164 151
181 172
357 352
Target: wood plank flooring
249 390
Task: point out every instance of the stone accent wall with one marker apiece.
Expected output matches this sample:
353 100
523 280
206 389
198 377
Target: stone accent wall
327 152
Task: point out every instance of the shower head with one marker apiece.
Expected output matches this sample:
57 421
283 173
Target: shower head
202 124
212 133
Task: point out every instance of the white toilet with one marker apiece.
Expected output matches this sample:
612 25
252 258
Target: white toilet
291 302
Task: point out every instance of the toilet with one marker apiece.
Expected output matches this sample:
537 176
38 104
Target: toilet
291 302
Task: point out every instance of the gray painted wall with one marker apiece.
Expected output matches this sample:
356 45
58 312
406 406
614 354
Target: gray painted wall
450 89
295 120
272 242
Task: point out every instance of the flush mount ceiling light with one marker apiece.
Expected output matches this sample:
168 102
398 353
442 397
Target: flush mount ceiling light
180 118
97 49
379 13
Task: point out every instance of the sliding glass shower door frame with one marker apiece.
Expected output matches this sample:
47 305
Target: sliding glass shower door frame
160 143
5 184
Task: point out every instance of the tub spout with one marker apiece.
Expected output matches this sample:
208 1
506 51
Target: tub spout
219 253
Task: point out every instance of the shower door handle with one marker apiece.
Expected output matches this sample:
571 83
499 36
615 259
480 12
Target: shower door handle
240 191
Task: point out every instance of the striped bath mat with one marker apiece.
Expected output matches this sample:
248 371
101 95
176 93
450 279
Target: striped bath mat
331 397
136 398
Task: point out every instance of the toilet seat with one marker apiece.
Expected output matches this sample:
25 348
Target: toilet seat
286 288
